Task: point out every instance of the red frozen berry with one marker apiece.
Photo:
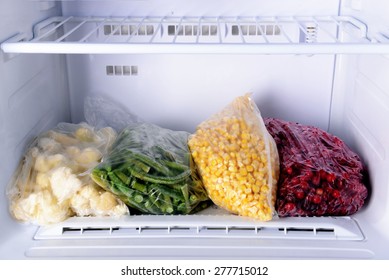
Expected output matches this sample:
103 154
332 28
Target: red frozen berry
331 178
323 174
289 207
319 191
316 180
295 181
304 185
335 194
300 194
289 170
316 199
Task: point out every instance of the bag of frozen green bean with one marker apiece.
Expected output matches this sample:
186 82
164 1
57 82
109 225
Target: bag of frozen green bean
151 170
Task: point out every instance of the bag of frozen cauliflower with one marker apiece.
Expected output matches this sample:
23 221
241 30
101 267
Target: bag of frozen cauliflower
52 182
238 160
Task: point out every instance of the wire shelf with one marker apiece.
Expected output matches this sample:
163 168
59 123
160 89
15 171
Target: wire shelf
177 35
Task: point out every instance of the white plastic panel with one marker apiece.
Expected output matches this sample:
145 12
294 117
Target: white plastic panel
181 91
360 113
201 7
33 96
30 104
372 11
271 78
203 225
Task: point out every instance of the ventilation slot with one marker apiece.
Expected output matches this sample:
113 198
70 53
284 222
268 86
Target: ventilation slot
325 231
192 30
242 231
71 231
299 231
255 30
182 230
213 230
128 29
124 231
96 231
119 70
154 230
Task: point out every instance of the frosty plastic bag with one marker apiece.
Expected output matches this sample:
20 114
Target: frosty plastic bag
151 170
319 174
238 160
103 112
52 182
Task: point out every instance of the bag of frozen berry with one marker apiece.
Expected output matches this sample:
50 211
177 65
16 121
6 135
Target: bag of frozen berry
319 174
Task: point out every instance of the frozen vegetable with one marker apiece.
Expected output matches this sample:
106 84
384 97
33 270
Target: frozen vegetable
238 160
92 200
150 169
52 181
319 174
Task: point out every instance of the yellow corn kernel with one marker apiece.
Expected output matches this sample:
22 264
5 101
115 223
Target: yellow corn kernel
243 171
249 168
247 190
256 189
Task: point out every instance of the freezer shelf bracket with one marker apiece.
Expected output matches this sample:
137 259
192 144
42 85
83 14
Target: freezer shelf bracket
201 35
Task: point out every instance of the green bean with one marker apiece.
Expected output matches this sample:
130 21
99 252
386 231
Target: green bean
167 190
158 179
138 186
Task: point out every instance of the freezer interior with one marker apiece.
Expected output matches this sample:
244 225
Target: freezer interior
175 63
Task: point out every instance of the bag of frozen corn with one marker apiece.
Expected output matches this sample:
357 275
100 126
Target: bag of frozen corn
238 160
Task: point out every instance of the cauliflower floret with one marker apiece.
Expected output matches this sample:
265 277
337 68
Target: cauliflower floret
41 208
104 202
107 205
49 145
73 151
119 210
24 208
62 138
64 183
50 210
85 134
45 163
80 201
88 156
42 181
94 201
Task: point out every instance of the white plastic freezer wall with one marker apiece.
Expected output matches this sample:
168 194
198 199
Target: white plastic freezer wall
339 85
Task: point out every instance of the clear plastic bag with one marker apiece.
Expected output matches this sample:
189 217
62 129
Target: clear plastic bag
151 170
52 181
238 160
320 175
102 112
